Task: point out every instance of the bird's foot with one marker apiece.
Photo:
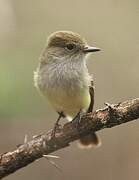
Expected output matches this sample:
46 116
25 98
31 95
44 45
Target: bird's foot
55 129
77 119
56 125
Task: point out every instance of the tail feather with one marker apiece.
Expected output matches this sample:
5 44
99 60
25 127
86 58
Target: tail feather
89 141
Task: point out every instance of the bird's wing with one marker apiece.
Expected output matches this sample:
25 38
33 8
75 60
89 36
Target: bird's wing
91 91
91 139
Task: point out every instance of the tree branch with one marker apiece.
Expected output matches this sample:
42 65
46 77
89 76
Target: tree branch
111 115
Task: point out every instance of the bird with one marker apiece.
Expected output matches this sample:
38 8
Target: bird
62 77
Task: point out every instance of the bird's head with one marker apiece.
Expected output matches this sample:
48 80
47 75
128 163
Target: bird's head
67 45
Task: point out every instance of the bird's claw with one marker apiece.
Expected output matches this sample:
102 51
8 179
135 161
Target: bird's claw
55 129
77 119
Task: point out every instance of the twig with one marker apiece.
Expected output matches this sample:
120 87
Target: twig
44 144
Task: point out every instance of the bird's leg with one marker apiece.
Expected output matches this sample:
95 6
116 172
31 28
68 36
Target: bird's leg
77 118
56 125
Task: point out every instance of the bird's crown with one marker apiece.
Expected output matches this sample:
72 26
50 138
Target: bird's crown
60 38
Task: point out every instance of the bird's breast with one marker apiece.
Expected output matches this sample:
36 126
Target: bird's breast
67 89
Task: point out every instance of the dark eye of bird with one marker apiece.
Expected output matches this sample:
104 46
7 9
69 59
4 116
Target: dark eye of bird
70 47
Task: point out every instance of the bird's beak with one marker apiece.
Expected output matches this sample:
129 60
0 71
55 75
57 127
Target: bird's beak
88 49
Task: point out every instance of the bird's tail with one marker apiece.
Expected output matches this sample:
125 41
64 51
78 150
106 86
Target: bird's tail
89 141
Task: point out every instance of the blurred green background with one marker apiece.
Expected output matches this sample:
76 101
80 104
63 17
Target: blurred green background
112 25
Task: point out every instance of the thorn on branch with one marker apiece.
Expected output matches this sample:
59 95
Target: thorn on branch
51 156
25 139
52 162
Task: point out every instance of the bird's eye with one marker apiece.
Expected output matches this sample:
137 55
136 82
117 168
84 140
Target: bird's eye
70 47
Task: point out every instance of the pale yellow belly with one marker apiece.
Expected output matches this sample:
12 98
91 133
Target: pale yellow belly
69 104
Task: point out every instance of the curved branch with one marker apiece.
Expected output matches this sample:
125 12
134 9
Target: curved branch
43 144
